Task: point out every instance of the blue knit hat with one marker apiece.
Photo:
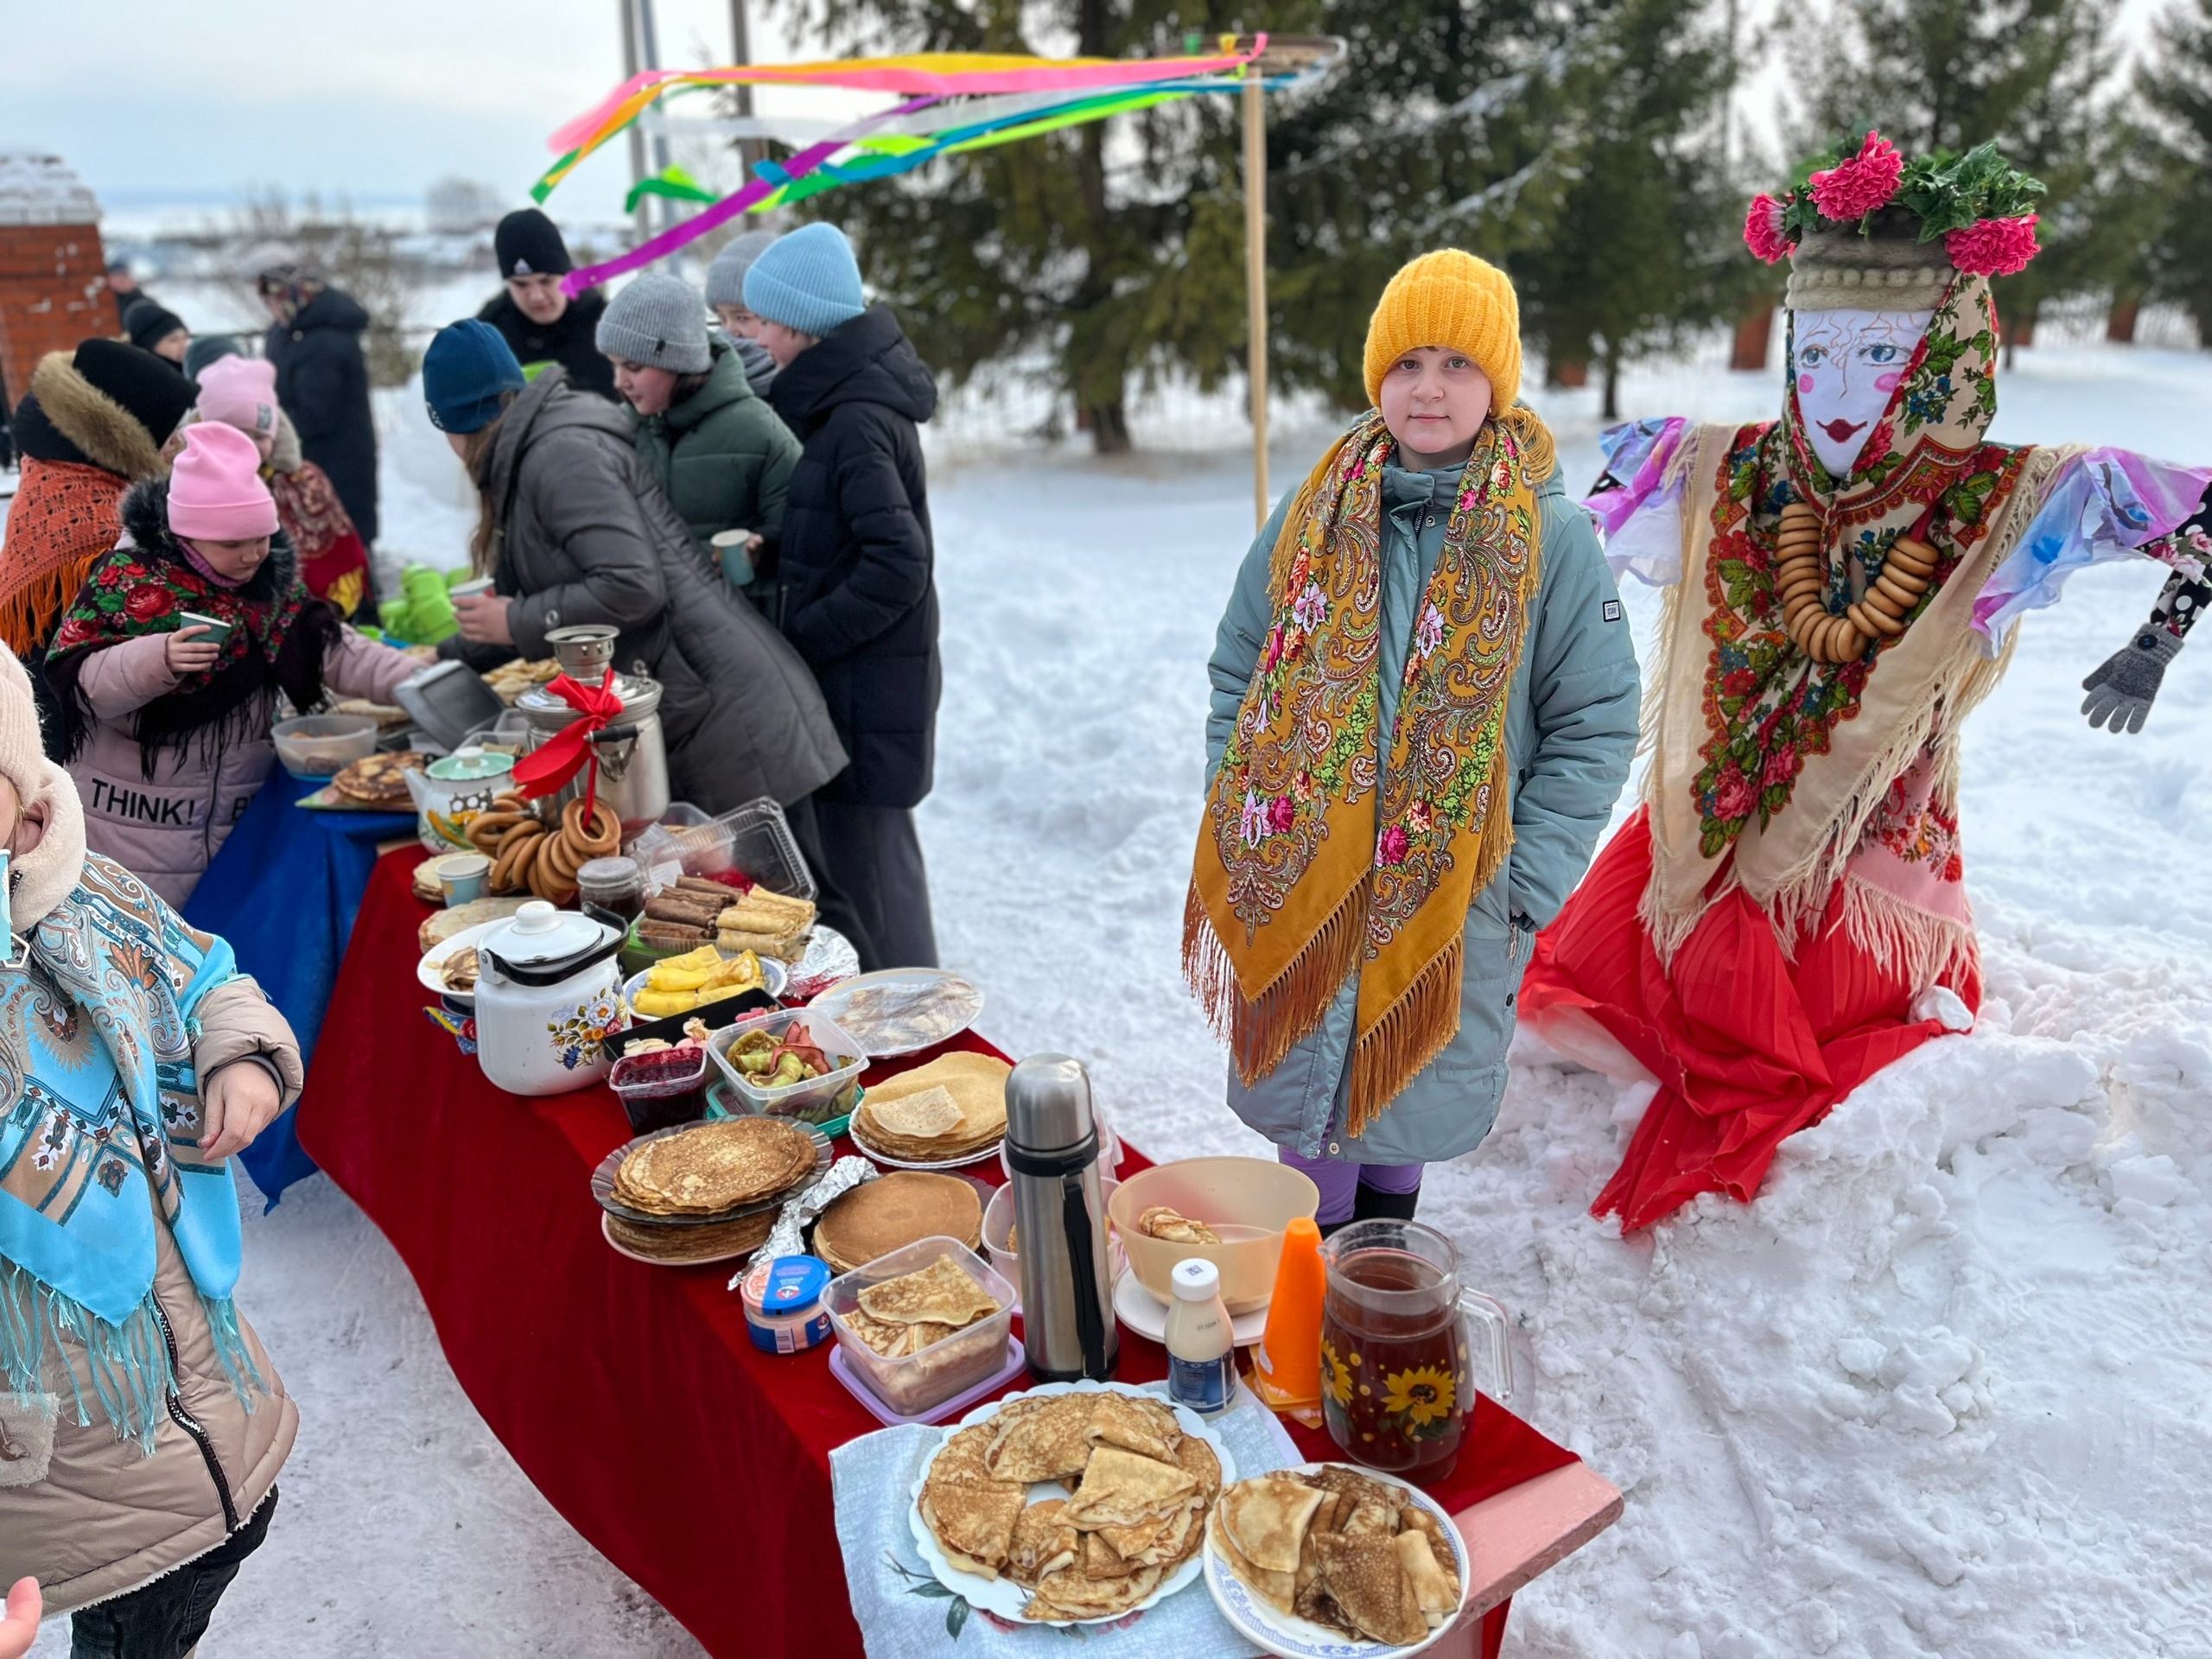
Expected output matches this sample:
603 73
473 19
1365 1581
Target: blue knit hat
468 368
808 280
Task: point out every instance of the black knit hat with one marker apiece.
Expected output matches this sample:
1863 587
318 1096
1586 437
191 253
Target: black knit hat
148 323
528 244
152 388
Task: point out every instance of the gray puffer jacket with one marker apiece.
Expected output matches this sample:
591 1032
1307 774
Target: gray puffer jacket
586 536
1571 722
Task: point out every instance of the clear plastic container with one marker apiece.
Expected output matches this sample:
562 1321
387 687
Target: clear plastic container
755 840
916 1383
657 1089
816 1100
316 747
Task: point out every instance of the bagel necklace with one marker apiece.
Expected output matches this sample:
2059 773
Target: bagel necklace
1801 582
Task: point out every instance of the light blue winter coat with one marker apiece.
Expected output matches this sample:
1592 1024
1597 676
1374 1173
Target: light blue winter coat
1570 735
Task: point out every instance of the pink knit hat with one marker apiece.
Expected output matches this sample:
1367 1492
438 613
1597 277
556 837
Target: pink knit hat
241 392
215 489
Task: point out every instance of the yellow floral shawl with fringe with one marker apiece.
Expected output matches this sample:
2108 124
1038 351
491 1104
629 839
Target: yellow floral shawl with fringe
1316 858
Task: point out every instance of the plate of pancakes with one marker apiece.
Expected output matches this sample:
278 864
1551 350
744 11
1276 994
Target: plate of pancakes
1323 1560
949 1112
381 779
705 1191
1070 1503
893 1211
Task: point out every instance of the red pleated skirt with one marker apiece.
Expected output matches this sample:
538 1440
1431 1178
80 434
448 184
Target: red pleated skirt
1748 1045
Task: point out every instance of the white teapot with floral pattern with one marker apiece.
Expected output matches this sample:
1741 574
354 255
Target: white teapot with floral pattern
549 990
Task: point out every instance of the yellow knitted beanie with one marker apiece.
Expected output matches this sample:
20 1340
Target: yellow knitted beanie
1449 298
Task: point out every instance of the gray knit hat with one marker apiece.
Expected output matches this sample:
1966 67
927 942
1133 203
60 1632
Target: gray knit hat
1836 269
726 277
658 320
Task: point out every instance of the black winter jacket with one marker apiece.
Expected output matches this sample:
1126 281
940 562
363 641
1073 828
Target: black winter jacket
322 381
857 560
571 339
587 537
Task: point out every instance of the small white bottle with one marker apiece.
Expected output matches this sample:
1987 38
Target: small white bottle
1201 1360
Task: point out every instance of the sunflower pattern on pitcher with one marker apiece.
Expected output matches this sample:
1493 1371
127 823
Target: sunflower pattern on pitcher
1420 1403
1336 1375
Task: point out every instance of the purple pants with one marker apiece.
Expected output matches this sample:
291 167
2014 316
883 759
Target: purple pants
1340 1181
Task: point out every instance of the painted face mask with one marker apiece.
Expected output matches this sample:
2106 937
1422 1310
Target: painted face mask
1848 364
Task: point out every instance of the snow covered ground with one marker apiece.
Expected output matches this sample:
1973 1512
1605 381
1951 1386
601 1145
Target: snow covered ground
1943 1389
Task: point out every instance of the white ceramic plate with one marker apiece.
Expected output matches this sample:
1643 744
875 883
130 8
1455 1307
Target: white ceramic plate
1290 1637
884 1035
775 976
1147 1315
981 1154
427 970
1003 1596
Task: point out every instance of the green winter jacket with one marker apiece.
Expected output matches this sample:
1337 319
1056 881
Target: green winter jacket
1571 720
721 455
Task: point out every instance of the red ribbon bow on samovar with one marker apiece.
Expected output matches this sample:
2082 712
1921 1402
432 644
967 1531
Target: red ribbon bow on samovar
553 763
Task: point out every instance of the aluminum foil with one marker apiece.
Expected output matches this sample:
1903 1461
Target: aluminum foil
788 1236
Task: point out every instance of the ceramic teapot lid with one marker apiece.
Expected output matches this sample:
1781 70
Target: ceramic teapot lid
470 766
543 946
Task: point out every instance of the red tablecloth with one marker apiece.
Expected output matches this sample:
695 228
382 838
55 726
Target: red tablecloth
631 1394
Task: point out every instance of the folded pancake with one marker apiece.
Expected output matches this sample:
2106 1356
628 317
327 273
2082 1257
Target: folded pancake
1136 1424
1268 1516
1043 1543
1163 1542
1197 1460
1361 1489
973 1522
1368 1580
1368 1519
1047 1443
1067 1595
941 1294
1436 1593
1100 1560
962 1458
1120 1488
1278 1589
923 1116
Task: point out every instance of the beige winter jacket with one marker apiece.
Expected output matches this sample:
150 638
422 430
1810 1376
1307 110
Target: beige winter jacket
93 1516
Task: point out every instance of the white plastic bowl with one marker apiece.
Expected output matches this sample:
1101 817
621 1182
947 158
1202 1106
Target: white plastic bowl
316 747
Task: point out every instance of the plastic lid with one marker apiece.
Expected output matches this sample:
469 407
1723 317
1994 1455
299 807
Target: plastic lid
608 872
1196 1280
540 933
795 1283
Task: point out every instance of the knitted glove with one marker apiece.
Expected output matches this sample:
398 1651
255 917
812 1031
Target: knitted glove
2121 689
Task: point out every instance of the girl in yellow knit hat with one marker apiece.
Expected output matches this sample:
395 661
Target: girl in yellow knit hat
1424 705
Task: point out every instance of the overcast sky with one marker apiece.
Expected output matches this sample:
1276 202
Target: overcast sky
154 102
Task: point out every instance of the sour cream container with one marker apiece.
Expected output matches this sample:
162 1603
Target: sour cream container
783 1312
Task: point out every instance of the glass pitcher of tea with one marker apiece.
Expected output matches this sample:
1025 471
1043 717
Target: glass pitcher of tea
1399 1335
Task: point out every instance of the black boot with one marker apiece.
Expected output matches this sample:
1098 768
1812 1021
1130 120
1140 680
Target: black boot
1367 1204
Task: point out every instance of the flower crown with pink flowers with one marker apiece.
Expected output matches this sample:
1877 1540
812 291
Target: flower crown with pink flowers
1979 203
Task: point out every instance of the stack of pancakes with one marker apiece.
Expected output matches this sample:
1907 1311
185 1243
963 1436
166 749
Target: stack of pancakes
889 1213
704 1172
1357 1554
940 1113
381 779
1139 1492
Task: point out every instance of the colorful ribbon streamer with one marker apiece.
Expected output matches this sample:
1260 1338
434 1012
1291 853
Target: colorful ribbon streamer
955 102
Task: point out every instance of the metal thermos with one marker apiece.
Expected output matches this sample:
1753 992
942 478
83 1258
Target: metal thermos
1059 1214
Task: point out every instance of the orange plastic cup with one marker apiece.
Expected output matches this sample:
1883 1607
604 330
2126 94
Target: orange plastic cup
1286 1363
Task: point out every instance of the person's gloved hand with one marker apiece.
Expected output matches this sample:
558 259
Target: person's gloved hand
2122 687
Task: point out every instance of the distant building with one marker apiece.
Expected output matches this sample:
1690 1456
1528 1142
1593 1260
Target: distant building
53 273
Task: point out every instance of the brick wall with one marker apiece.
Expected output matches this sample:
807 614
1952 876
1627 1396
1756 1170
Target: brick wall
53 294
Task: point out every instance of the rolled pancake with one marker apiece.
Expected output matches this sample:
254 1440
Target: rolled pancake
1268 1516
1368 1582
1435 1592
1047 1443
1120 1488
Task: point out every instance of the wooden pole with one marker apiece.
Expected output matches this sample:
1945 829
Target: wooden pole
1256 279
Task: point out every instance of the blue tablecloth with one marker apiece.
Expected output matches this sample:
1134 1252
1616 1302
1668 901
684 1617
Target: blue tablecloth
284 891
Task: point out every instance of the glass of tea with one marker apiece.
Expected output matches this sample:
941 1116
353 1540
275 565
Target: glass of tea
1398 1334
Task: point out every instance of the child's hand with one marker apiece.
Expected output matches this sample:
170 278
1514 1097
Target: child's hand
20 1628
189 653
236 1104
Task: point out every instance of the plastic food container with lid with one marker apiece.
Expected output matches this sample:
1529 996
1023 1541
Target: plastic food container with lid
664 1087
814 1100
316 747
915 1384
784 1308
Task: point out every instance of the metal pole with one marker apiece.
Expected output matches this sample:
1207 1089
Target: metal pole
649 43
643 227
749 150
1256 279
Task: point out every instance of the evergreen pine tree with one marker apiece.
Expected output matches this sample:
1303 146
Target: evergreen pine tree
2175 87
